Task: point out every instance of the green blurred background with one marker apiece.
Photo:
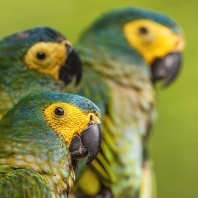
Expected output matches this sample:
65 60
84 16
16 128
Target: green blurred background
174 143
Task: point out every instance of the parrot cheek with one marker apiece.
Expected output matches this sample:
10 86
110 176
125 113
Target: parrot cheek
86 144
166 68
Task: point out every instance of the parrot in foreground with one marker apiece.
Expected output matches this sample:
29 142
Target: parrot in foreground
31 61
41 140
124 53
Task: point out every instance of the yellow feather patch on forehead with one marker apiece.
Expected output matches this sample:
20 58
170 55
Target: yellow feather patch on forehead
55 56
72 122
152 40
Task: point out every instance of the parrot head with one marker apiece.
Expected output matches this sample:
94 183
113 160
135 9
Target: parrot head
41 49
134 34
48 133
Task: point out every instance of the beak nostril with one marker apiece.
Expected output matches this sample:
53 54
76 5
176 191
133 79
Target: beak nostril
69 48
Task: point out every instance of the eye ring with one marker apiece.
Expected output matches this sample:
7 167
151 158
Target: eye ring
59 111
41 55
143 30
69 48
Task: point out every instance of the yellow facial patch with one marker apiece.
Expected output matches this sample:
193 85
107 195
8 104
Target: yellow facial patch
68 120
46 57
152 40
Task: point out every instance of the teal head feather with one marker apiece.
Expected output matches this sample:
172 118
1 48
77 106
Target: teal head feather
17 44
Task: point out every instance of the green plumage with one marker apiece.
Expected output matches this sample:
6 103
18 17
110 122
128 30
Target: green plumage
118 80
31 183
115 77
35 159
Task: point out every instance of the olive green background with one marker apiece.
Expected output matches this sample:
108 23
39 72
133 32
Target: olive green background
174 143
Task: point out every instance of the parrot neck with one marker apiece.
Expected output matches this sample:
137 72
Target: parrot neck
126 125
59 180
126 68
14 88
49 156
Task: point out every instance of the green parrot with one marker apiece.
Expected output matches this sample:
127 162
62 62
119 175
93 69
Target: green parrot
124 53
41 140
32 61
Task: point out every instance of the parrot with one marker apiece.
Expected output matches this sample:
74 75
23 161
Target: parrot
32 61
124 53
42 138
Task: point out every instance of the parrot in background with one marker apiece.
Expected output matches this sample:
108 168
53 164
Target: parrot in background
32 61
41 139
124 53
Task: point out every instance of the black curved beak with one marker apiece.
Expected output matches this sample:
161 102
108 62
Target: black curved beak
72 67
86 144
166 68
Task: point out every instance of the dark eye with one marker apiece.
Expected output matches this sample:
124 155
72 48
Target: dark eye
41 55
143 30
59 111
